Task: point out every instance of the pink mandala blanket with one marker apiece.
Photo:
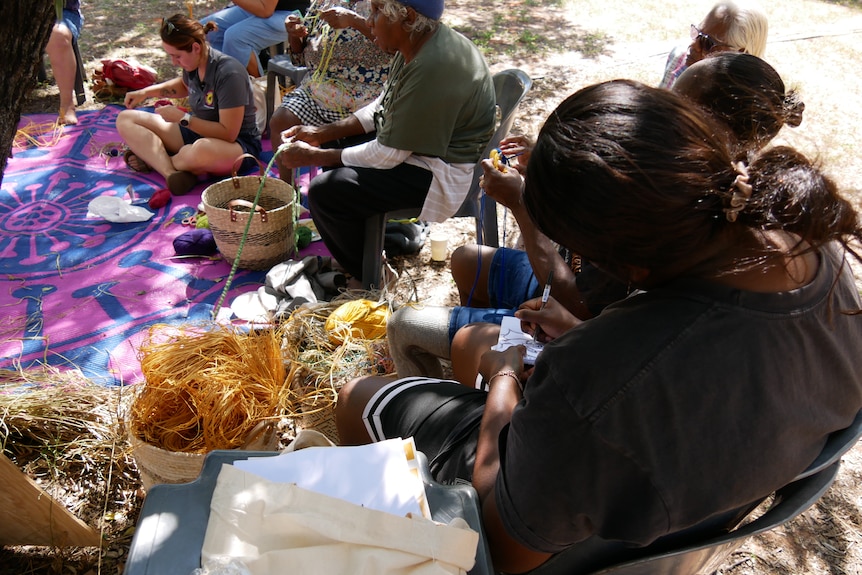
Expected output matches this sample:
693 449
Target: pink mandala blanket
79 292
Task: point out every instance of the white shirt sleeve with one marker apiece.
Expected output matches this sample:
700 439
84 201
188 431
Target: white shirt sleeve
373 154
365 114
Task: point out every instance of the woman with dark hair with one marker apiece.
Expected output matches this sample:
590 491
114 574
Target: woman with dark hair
209 137
746 94
742 91
681 405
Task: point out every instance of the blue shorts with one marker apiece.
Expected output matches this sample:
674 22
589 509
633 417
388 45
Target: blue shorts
73 20
249 144
511 282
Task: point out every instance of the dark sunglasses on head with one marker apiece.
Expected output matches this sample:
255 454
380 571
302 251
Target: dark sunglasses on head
168 27
707 42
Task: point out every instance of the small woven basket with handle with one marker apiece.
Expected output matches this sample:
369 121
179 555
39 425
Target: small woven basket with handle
270 237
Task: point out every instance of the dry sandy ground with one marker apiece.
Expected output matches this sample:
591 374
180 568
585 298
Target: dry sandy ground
814 44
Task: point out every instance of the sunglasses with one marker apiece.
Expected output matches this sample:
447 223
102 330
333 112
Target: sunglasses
169 28
707 43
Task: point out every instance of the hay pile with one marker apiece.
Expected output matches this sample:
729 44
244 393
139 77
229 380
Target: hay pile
65 433
318 366
212 388
209 388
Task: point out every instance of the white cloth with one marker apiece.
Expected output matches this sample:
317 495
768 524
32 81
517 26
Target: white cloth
278 527
449 186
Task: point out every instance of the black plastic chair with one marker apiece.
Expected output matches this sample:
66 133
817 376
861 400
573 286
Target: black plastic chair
173 520
693 555
510 87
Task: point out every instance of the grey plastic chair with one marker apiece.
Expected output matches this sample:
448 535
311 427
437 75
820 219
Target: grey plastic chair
690 554
510 87
172 523
280 66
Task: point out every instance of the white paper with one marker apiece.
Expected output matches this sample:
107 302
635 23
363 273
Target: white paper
511 335
377 475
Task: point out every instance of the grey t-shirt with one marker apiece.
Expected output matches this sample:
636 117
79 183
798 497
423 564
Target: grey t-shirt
677 404
225 86
441 104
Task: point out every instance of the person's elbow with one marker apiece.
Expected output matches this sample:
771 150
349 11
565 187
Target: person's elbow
507 554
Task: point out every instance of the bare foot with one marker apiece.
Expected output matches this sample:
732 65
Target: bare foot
67 116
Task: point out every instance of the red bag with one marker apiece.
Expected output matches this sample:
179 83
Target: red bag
128 74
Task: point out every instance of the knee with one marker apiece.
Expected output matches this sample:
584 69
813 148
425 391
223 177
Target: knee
281 120
463 264
348 413
464 256
236 39
323 193
60 39
125 121
344 397
475 335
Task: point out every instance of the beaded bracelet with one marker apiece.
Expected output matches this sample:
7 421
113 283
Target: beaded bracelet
509 373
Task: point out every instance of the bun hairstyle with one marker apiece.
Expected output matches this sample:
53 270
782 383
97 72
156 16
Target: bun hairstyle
746 94
182 32
625 174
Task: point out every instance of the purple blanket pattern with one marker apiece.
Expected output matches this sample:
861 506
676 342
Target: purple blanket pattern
79 292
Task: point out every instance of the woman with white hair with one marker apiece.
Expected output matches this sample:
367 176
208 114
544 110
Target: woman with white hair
426 132
729 26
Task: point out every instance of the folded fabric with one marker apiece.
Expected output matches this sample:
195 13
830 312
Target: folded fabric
270 527
288 285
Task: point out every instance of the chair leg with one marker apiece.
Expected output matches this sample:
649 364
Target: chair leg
271 85
489 222
372 251
80 92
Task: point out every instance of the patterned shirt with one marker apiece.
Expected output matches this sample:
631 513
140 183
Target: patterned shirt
355 68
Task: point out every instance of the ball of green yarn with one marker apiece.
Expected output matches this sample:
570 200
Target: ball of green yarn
303 237
202 222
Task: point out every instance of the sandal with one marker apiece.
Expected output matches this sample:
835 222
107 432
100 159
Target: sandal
135 163
179 183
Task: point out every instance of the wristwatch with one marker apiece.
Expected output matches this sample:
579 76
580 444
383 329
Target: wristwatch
185 121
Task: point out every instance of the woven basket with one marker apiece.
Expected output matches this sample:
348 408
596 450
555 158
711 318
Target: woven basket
228 204
321 419
157 465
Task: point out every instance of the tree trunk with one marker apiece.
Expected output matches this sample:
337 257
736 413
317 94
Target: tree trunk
25 26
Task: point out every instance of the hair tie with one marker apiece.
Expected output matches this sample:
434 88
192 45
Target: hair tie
741 192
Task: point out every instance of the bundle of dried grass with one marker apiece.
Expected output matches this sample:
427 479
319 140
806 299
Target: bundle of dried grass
319 367
208 389
63 430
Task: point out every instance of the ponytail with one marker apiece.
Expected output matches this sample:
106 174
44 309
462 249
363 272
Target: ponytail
792 194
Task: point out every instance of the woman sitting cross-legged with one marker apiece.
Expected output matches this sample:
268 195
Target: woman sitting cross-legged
686 402
219 127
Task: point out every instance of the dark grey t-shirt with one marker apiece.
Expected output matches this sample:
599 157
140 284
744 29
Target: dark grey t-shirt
677 404
226 86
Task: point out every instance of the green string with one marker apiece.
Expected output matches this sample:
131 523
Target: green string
235 265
